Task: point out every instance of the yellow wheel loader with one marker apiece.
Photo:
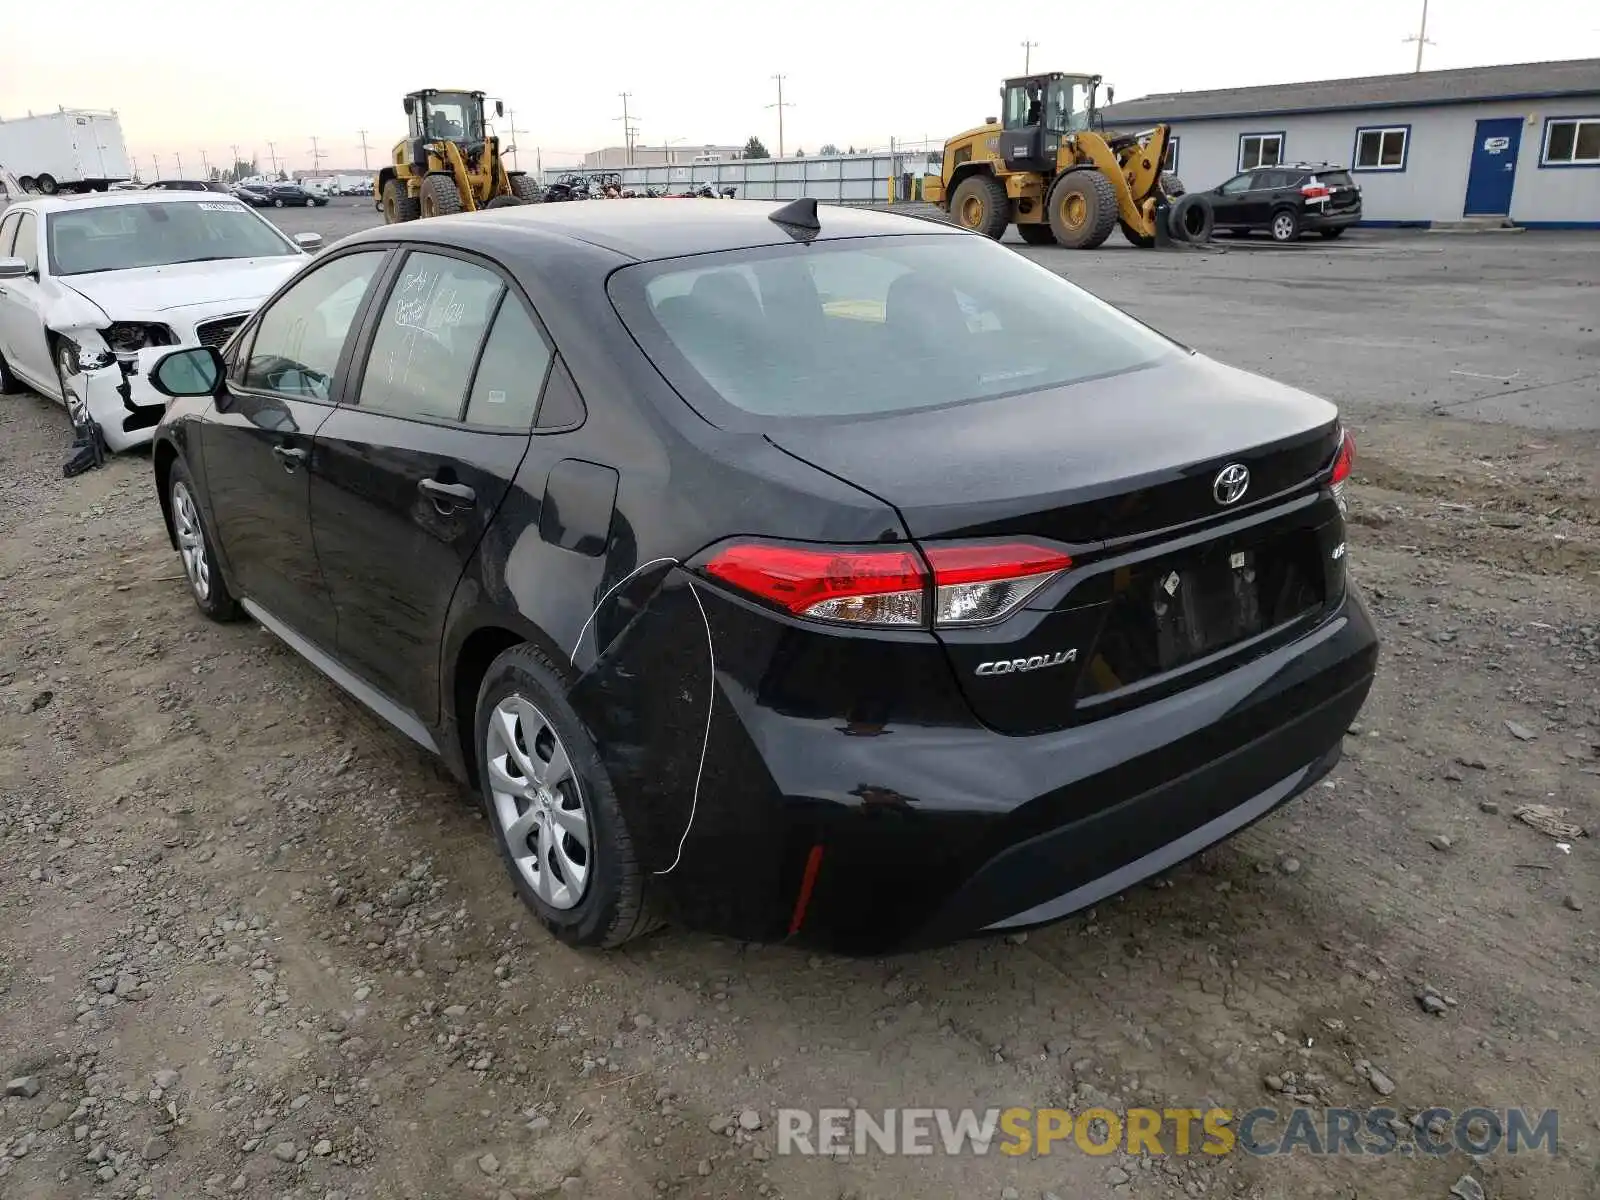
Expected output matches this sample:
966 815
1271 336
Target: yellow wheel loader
450 163
1050 168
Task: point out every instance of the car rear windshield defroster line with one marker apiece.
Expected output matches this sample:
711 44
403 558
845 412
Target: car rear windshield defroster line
869 326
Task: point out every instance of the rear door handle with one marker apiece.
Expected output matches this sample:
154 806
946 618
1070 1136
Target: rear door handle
290 456
448 495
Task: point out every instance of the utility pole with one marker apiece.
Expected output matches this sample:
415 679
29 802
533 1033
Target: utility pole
233 167
1421 36
155 160
1027 56
363 134
780 106
272 149
179 157
511 128
627 125
316 157
205 164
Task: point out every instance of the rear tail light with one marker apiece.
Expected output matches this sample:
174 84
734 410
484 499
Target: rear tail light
890 588
1344 462
1314 189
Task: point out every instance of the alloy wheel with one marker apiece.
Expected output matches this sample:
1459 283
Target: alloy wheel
538 804
191 540
1283 227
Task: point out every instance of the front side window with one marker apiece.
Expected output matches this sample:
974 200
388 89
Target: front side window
26 246
880 325
299 338
122 237
1236 185
1260 150
428 338
1381 149
1573 141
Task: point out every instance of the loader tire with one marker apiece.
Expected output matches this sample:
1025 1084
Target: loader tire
439 196
504 202
397 206
1083 209
526 190
1172 185
980 204
1037 235
1190 219
1135 238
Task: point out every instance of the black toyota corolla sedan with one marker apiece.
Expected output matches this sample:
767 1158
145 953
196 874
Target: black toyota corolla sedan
779 571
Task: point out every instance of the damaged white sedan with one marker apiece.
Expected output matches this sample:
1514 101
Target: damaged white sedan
88 282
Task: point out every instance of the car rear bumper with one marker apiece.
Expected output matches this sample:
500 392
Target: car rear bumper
1332 220
898 823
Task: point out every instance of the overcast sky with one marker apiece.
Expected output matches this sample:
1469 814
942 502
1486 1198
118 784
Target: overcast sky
193 75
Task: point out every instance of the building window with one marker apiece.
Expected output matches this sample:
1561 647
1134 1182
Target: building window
1382 149
1260 150
1571 142
1169 160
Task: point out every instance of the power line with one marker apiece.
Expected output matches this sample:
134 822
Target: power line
780 106
1421 36
511 115
628 129
1027 56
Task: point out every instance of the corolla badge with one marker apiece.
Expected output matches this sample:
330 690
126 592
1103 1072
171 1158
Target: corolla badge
1231 483
1034 662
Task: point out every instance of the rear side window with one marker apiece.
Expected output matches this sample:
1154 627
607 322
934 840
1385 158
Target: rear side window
505 392
428 338
866 326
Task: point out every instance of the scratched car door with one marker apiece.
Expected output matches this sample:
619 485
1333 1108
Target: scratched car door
413 465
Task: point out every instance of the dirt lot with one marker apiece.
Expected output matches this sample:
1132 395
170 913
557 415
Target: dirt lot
254 944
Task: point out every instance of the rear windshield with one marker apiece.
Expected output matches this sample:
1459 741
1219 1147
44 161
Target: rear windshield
1336 178
871 325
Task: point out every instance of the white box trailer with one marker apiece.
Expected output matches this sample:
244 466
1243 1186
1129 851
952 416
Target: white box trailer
73 150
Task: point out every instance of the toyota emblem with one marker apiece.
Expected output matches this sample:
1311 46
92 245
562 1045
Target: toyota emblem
1231 483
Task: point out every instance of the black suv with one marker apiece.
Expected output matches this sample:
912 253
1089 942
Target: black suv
1288 200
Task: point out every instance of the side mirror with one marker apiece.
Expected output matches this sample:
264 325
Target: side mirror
499 108
409 104
196 371
309 242
13 268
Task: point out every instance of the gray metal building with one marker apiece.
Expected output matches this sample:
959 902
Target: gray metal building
1520 142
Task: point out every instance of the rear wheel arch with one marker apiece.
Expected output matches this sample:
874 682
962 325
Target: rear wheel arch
473 659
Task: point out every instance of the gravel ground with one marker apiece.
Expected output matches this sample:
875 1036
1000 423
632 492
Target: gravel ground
254 944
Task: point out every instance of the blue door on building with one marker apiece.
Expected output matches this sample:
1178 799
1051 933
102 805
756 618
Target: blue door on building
1494 167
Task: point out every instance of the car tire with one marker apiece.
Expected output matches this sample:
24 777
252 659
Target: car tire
980 204
1330 234
277 202
1037 235
1191 219
1285 226
9 383
1083 209
439 196
47 184
523 726
196 550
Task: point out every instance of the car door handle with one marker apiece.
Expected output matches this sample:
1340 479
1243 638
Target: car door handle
290 456
448 495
